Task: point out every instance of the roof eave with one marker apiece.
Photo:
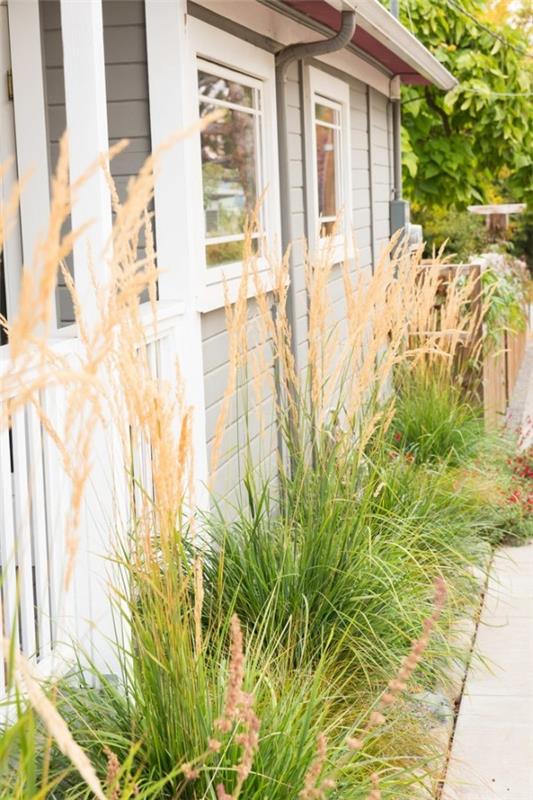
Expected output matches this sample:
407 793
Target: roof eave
380 23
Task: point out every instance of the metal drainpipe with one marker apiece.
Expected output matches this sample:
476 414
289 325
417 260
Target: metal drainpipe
397 147
397 125
284 58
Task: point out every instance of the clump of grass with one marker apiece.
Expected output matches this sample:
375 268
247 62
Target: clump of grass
328 567
434 422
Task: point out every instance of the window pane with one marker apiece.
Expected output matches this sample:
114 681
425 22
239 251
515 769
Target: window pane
327 114
217 88
229 252
325 164
228 171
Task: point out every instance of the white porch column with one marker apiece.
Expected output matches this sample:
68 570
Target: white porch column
86 110
86 113
30 125
169 77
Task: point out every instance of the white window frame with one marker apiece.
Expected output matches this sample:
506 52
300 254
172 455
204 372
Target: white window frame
229 54
321 87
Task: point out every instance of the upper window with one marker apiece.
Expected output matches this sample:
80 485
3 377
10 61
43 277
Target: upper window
236 165
328 158
328 162
231 149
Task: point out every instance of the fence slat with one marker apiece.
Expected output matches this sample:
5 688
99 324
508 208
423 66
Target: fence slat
7 537
39 530
23 534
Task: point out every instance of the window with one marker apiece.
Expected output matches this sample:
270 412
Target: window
328 165
236 157
231 160
328 158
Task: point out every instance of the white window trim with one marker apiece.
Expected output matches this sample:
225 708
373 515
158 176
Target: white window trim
207 43
320 85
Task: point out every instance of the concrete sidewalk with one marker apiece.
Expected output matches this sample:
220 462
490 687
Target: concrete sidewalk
492 752
520 413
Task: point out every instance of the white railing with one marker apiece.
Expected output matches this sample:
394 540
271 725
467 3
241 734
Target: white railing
34 502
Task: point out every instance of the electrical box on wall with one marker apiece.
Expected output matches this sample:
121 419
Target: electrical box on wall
400 215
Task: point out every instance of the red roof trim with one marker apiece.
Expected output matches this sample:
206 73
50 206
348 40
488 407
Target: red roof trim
322 12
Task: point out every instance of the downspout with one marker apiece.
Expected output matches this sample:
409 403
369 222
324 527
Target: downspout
284 58
397 120
397 137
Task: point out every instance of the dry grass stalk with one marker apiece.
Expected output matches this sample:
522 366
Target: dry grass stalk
377 716
29 686
112 775
389 319
238 711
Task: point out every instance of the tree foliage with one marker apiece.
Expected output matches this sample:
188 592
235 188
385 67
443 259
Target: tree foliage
474 143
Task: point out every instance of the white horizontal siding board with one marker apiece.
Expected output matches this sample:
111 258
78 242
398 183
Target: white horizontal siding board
39 530
255 429
7 539
358 118
382 213
360 140
361 199
381 135
360 178
213 323
295 146
23 533
297 199
294 122
259 393
296 174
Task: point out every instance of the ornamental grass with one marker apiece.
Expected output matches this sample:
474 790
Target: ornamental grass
265 647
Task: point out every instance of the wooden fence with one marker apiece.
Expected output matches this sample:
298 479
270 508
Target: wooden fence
496 374
500 372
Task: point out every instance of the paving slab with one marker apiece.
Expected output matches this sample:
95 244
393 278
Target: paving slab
520 412
492 751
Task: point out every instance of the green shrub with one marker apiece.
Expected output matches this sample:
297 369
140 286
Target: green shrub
434 421
464 233
346 567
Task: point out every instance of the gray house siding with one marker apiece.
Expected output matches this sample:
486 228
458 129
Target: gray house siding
371 165
381 169
298 209
250 430
362 225
128 113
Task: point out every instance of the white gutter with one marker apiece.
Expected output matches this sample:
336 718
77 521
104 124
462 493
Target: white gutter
374 18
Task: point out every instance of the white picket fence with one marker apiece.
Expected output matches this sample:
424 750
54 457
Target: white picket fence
34 500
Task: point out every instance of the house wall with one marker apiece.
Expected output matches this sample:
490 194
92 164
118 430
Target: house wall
381 168
250 430
128 116
128 112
